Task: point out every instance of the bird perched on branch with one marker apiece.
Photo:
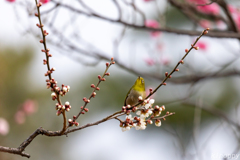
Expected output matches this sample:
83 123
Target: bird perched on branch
138 89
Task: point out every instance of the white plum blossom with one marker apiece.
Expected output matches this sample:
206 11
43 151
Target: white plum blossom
53 94
65 89
126 128
151 101
158 123
129 117
143 113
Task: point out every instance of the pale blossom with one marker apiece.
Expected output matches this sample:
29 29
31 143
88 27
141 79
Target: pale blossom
20 117
165 60
4 127
205 23
30 106
149 61
158 123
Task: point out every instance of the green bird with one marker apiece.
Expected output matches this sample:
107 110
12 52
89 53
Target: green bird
138 89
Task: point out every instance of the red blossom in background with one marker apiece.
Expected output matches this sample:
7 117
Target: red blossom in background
153 24
4 126
44 1
212 8
11 0
209 9
202 45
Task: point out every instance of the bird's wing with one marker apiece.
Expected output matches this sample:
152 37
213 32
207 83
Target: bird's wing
127 96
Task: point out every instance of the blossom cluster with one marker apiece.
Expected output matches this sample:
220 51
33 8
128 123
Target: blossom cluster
61 108
146 113
61 91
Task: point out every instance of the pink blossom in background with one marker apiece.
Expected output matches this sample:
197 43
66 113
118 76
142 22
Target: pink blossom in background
209 9
235 14
237 20
20 117
232 9
147 0
155 34
153 24
221 25
199 1
4 127
160 46
165 60
205 23
149 61
202 45
30 106
10 0
44 1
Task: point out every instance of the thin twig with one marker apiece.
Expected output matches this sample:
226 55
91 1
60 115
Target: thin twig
46 50
101 78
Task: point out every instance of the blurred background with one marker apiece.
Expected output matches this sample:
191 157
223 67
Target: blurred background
83 36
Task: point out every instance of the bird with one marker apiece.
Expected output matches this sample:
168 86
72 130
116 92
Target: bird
138 89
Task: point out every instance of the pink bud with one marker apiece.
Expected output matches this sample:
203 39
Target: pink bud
166 74
181 61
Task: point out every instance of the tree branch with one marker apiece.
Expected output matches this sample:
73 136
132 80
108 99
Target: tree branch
217 34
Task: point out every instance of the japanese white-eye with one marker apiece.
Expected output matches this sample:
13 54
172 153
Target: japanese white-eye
138 89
